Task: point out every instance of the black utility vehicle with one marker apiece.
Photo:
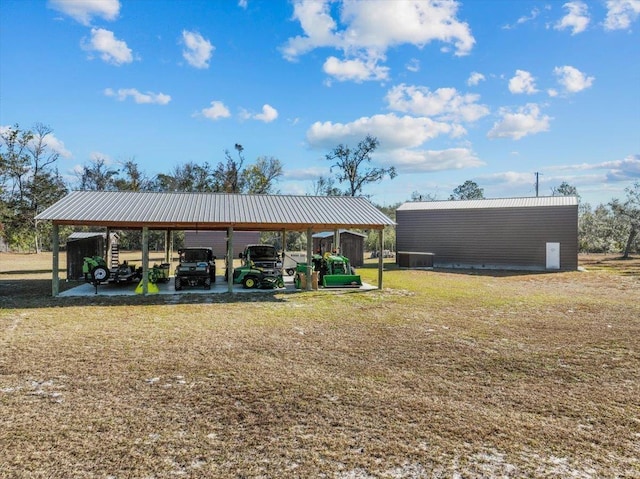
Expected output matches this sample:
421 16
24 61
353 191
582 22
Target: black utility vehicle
197 268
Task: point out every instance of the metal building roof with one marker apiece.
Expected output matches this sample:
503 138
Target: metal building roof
329 234
80 235
128 209
529 202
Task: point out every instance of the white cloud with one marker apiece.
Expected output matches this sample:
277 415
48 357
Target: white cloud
621 13
215 111
57 145
572 79
148 97
508 178
524 19
525 121
357 70
84 10
268 114
444 103
420 161
371 27
522 82
110 49
413 65
400 140
198 50
617 170
475 78
624 170
392 131
311 173
577 17
243 4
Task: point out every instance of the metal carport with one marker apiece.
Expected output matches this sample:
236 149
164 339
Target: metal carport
211 211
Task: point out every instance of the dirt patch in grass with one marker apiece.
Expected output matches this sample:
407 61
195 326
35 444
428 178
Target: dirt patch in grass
442 374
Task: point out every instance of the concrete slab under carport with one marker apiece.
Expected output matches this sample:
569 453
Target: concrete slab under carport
220 286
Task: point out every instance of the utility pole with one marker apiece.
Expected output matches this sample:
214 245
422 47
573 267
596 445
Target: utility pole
537 182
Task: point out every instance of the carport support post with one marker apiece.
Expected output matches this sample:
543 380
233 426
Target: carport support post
380 257
107 254
229 260
168 243
284 249
309 248
55 280
145 260
336 241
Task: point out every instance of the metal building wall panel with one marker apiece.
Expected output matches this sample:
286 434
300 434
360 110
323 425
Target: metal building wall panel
503 238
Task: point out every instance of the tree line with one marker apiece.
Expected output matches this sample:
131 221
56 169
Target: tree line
30 182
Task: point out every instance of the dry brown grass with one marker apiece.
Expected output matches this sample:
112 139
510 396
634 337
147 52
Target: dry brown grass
442 374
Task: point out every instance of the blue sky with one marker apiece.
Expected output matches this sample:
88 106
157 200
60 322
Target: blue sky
492 91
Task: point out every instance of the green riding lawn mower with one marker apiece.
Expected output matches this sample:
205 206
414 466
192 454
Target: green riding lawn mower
261 268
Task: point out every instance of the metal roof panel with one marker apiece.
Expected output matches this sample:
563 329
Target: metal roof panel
524 202
210 210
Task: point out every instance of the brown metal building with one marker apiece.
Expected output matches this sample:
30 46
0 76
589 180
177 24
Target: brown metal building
217 241
512 233
351 245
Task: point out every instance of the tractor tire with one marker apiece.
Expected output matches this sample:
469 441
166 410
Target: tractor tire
178 284
99 274
250 282
290 271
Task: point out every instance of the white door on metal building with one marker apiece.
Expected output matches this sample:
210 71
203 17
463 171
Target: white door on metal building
553 255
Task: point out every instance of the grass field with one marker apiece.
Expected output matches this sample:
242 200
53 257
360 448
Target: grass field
441 374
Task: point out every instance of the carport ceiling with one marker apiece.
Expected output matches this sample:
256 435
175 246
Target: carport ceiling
213 211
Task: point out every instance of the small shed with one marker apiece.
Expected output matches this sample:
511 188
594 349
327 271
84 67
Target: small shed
217 241
537 234
351 245
81 244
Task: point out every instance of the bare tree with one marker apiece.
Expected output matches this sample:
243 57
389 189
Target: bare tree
564 189
260 177
325 186
469 190
134 179
228 176
189 177
352 166
97 176
417 196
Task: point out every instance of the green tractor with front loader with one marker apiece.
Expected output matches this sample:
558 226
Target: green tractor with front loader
334 271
